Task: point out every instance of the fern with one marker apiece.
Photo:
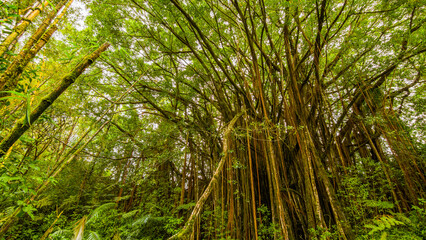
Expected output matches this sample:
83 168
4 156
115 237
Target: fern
93 236
186 206
379 204
9 211
142 220
121 198
401 217
43 202
129 214
66 234
98 211
68 202
5 215
381 224
62 233
79 229
116 237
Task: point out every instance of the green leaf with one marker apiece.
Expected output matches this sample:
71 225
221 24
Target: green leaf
186 206
381 226
129 214
50 3
93 236
26 139
122 198
33 166
53 180
10 53
370 226
7 179
12 7
16 93
98 212
386 222
142 220
379 204
10 97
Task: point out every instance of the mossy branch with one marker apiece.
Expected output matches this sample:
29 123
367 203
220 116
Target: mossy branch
23 125
8 80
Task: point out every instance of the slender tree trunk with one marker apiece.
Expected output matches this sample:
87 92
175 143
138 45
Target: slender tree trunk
23 125
20 28
123 181
9 79
182 193
87 175
183 234
250 172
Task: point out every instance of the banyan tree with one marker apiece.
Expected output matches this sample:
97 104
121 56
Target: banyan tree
284 109
281 101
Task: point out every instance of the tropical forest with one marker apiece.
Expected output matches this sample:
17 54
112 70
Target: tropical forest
212 119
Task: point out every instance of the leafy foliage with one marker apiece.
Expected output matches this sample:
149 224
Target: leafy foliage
331 141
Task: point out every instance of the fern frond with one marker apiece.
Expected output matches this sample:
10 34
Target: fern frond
402 218
186 206
394 222
116 199
69 201
379 204
9 210
382 223
116 237
129 214
93 236
98 211
61 233
370 226
43 202
142 220
110 187
386 222
79 229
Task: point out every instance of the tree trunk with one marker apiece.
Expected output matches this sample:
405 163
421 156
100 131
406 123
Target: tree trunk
183 234
23 125
20 28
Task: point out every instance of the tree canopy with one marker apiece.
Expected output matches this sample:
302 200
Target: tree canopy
212 119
